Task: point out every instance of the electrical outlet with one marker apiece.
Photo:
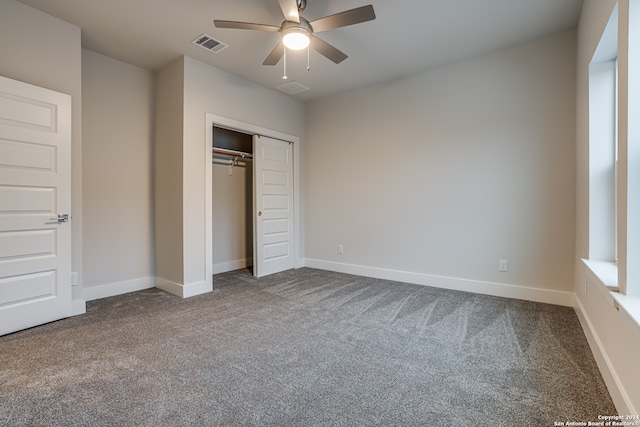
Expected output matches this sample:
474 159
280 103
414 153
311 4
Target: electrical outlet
74 278
340 249
502 265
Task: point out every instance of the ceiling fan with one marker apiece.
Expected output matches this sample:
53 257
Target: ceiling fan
298 33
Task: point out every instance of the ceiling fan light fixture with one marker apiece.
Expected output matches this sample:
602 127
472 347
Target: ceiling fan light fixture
295 38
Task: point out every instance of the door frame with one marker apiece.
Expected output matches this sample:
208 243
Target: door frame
210 121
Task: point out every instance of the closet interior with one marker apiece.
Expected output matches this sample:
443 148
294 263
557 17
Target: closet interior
232 200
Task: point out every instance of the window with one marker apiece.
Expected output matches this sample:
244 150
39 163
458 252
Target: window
629 146
614 148
603 146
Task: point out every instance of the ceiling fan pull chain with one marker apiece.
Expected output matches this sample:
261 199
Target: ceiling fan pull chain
308 61
284 77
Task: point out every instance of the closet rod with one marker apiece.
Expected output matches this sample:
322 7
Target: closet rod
233 153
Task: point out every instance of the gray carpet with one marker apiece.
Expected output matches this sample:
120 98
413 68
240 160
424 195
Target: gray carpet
302 348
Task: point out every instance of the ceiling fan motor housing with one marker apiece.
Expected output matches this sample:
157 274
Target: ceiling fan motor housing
304 24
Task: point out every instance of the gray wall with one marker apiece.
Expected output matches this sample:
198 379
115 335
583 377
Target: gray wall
168 172
117 129
445 172
211 90
187 90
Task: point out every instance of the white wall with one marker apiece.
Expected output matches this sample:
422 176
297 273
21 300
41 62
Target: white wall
614 339
436 177
117 154
42 50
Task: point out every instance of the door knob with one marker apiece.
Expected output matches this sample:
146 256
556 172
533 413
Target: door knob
60 218
260 213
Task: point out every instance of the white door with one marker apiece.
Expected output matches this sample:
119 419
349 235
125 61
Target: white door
273 205
35 190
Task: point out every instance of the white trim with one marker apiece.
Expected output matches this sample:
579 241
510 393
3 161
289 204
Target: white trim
196 288
210 120
117 288
208 200
616 390
223 267
546 296
604 274
78 306
630 306
169 286
184 291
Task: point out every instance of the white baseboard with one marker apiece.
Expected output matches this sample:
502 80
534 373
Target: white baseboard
487 288
223 267
183 291
197 288
78 306
618 395
169 286
112 289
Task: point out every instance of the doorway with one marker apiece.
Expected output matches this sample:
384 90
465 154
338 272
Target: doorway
239 173
232 193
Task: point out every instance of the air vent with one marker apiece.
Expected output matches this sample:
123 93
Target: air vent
205 41
292 88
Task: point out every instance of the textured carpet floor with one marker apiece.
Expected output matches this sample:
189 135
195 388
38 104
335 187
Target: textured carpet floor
302 348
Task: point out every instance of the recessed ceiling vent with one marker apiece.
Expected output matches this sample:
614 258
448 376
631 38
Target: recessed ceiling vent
205 41
292 88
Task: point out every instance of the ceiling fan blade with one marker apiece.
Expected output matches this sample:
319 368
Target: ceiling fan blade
327 50
245 26
275 55
290 10
343 19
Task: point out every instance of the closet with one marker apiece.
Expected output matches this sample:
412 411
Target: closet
232 197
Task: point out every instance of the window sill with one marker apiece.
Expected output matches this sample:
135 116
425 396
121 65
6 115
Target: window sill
607 275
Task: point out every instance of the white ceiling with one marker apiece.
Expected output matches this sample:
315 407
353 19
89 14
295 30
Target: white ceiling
408 36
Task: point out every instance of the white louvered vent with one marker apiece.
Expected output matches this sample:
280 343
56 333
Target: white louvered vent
205 41
292 88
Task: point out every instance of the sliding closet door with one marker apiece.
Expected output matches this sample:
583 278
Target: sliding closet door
273 206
